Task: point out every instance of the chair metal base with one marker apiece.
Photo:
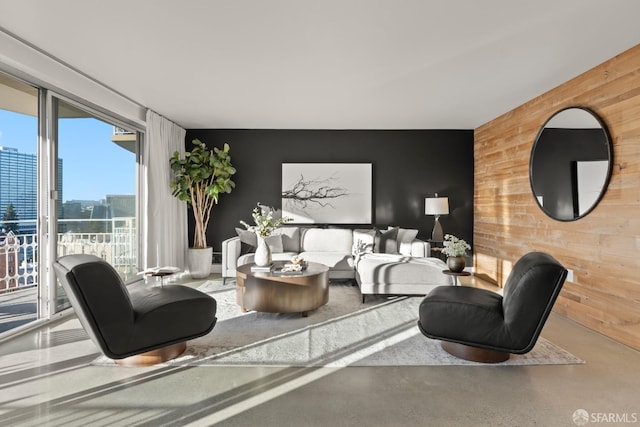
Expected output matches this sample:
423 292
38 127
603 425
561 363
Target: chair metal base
474 354
154 357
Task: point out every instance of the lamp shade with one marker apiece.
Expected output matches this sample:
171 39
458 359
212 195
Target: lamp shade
436 206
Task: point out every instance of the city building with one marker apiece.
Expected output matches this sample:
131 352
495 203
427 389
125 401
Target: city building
19 186
121 205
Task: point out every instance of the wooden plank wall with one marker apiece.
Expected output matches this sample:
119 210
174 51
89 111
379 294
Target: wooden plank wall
603 249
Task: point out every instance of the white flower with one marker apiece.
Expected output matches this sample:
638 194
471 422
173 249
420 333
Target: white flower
264 222
454 247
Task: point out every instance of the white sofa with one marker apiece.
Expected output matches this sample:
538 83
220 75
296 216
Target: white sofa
381 273
387 262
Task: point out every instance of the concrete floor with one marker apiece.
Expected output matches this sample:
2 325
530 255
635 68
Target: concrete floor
46 379
18 308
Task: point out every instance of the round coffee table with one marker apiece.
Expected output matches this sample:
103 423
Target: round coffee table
275 292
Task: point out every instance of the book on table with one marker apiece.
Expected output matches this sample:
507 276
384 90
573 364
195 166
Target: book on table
286 272
260 268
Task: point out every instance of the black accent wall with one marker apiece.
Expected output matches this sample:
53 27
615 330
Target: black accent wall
408 165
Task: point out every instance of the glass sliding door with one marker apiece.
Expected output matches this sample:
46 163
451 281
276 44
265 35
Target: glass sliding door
19 290
96 183
68 185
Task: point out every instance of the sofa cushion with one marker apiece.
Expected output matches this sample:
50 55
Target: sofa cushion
326 240
386 241
290 238
406 235
405 248
363 241
400 269
275 243
248 241
336 261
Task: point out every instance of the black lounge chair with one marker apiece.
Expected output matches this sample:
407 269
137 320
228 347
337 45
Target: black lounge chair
136 324
480 325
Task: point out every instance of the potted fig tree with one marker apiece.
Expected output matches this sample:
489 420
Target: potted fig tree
200 177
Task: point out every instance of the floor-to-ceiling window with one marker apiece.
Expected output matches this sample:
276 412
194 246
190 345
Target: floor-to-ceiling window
18 203
68 181
96 189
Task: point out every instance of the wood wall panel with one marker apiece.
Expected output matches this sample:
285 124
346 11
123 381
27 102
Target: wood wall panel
602 249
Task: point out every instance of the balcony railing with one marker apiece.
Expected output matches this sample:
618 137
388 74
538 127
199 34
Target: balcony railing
119 131
18 256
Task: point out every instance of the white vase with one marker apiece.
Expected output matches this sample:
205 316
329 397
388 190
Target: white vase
262 257
199 262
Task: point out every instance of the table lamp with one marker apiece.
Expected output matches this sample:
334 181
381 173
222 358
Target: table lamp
436 206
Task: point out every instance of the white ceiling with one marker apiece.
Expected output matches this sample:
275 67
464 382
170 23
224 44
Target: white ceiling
328 64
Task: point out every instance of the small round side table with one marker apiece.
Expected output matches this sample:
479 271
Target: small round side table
456 275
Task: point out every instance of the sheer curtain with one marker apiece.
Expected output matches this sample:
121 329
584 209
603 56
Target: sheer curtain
165 217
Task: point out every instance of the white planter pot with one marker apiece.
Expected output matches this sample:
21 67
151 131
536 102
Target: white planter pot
199 262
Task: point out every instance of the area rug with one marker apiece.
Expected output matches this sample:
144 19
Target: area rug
344 332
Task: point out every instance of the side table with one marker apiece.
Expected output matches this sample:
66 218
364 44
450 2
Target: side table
436 249
456 275
159 273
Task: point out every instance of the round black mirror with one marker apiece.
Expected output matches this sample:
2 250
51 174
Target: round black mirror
570 164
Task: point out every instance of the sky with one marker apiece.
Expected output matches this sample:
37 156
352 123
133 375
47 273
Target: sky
93 166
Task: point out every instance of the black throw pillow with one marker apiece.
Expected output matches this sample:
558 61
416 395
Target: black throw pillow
387 241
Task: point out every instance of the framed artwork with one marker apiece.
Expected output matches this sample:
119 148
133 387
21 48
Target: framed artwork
327 193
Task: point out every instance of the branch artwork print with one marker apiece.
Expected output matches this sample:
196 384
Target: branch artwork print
307 191
329 193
